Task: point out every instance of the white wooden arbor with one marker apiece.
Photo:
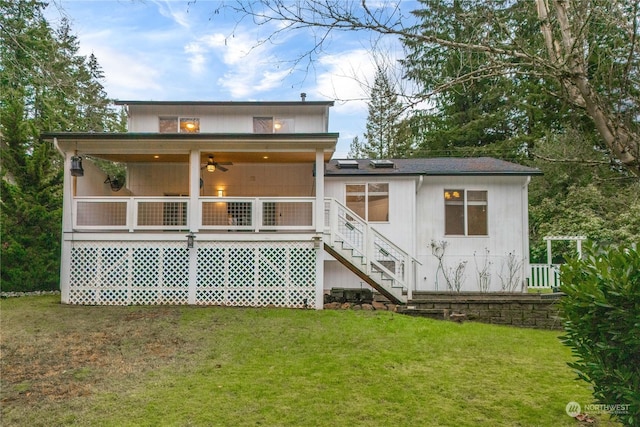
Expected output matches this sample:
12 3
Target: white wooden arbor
577 239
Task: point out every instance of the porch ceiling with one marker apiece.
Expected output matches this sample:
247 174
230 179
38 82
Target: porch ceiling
240 148
221 157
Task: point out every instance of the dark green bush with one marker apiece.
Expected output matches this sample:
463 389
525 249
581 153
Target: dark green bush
601 314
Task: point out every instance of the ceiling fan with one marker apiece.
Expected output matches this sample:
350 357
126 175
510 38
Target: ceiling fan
212 165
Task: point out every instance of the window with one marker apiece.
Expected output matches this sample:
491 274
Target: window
263 125
168 124
465 213
189 125
271 125
182 124
370 201
282 125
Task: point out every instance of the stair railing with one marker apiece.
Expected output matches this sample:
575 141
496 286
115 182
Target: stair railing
380 258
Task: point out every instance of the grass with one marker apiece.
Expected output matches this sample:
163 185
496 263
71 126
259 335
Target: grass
215 366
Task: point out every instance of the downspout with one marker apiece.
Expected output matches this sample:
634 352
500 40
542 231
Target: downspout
525 233
414 267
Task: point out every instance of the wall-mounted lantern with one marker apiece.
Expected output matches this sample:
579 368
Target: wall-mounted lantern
190 240
220 193
76 166
317 240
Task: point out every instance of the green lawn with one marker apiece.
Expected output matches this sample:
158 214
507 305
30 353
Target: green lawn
214 366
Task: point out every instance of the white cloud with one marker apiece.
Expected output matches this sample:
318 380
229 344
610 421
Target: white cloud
346 78
197 58
127 76
180 17
249 68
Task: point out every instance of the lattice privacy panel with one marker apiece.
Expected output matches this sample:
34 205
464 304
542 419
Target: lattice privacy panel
120 273
281 274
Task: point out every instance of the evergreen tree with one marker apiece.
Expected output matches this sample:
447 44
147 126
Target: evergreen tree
44 86
356 149
478 106
383 139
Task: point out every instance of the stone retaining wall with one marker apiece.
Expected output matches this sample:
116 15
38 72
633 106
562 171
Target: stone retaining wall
524 310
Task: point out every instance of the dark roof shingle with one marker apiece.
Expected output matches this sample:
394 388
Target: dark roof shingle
435 166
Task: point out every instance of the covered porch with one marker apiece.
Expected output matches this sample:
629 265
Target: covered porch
245 232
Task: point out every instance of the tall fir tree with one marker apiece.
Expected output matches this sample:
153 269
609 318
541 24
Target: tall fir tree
45 85
356 149
478 107
385 115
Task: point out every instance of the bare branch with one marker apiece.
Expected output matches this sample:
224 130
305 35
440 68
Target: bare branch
565 35
580 161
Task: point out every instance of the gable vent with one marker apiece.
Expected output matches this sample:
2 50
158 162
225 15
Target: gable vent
347 164
382 164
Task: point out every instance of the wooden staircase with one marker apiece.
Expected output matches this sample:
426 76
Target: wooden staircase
367 253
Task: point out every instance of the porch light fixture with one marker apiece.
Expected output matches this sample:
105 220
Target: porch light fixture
211 166
220 193
316 241
76 166
190 240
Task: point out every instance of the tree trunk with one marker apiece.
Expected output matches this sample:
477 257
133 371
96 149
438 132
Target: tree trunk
568 61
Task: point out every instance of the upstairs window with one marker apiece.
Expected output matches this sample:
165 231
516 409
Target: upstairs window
179 124
370 201
465 213
189 125
263 125
282 125
273 125
168 124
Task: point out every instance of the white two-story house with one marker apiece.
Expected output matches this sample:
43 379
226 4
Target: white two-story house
240 203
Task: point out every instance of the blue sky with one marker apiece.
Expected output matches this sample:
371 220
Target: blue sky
177 50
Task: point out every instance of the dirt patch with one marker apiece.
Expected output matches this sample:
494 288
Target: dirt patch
83 355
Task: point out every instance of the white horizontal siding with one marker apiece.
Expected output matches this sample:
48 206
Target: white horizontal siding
228 120
506 230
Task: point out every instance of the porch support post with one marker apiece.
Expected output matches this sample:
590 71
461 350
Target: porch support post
194 191
194 221
319 214
193 274
67 227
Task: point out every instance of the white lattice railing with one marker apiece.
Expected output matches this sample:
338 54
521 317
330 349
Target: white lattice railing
544 276
130 213
255 214
370 251
173 213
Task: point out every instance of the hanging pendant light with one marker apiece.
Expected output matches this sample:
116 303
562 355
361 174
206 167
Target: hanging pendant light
76 166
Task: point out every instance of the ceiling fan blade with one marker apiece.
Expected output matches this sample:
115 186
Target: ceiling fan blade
222 168
225 163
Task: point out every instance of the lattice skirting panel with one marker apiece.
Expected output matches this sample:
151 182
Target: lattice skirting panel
280 274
